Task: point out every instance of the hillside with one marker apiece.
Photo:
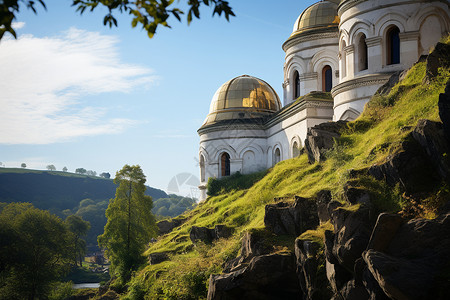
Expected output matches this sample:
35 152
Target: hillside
55 190
347 191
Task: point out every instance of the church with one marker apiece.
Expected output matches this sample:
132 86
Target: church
339 53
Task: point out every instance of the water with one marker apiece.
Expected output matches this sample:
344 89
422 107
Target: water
85 286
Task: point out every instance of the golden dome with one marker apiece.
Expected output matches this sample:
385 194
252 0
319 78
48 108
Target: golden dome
243 97
322 14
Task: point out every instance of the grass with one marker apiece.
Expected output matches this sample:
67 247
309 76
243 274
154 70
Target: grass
376 134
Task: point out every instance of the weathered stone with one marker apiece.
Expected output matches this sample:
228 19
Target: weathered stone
323 198
285 218
384 231
351 291
222 231
269 276
439 58
166 226
408 166
157 257
430 135
337 276
308 262
399 279
201 234
355 195
320 138
386 88
253 244
352 233
444 110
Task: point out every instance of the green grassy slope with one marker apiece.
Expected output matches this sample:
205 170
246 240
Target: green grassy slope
365 142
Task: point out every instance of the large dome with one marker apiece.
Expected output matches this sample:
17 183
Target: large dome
243 97
323 14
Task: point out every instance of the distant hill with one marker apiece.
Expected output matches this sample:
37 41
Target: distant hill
55 190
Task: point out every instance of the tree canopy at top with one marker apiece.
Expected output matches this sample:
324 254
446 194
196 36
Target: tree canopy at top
149 13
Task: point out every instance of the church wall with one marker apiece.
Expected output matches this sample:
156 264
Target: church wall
308 57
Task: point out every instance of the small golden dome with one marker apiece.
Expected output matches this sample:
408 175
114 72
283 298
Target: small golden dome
243 97
319 15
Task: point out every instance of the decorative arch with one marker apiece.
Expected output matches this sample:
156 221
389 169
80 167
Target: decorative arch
431 27
224 148
257 149
359 27
344 37
421 15
349 115
393 18
319 61
294 63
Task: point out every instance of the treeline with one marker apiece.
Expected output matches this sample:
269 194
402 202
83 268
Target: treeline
36 249
173 205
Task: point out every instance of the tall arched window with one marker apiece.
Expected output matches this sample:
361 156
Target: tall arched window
327 79
343 60
202 168
296 85
225 164
362 53
276 156
295 149
393 45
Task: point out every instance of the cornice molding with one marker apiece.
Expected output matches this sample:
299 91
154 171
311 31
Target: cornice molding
359 82
310 35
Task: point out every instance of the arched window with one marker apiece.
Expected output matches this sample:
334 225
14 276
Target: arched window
276 156
393 46
327 79
225 164
295 149
343 60
296 85
202 168
362 53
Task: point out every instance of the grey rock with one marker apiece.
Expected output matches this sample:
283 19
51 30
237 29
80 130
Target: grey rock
431 136
351 291
384 231
166 226
269 276
157 257
356 195
352 233
222 231
284 218
444 110
439 58
201 234
320 138
323 198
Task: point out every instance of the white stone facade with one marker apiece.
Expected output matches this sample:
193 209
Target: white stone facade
349 48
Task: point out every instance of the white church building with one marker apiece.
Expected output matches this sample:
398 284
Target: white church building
338 55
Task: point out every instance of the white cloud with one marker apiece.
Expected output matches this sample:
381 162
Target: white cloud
17 25
42 81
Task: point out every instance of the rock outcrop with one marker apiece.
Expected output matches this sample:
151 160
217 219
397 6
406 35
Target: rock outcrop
444 110
286 218
207 235
320 138
157 257
166 226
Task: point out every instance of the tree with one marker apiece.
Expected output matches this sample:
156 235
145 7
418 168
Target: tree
23 165
64 169
149 13
34 251
105 175
51 168
91 173
130 224
79 228
80 171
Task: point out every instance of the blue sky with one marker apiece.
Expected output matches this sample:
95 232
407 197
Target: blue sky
75 93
